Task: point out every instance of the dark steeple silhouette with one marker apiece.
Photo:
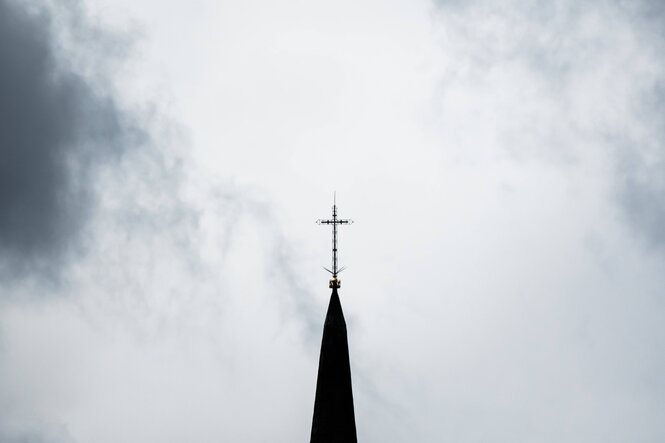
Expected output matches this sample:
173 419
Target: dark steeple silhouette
334 420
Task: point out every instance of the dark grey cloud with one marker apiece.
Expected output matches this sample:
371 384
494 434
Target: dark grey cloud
640 161
641 165
56 129
642 196
35 433
60 128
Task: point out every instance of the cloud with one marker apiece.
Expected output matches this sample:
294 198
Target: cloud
13 431
488 315
61 125
640 165
91 191
578 84
57 128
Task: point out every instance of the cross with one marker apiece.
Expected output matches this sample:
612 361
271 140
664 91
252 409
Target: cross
334 282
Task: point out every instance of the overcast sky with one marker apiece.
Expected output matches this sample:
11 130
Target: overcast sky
163 164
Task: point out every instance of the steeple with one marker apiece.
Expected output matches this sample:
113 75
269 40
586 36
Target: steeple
334 420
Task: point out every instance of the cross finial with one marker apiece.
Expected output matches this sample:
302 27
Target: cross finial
334 281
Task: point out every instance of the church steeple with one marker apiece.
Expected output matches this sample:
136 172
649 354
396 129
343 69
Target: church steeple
334 419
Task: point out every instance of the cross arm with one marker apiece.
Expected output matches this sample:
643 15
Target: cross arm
334 222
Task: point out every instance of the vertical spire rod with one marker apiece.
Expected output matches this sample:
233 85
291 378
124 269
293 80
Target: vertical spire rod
334 263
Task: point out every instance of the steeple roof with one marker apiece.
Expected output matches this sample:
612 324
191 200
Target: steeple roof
334 420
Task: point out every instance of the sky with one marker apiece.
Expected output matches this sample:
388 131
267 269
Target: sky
164 163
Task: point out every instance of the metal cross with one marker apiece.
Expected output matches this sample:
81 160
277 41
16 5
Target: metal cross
334 282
